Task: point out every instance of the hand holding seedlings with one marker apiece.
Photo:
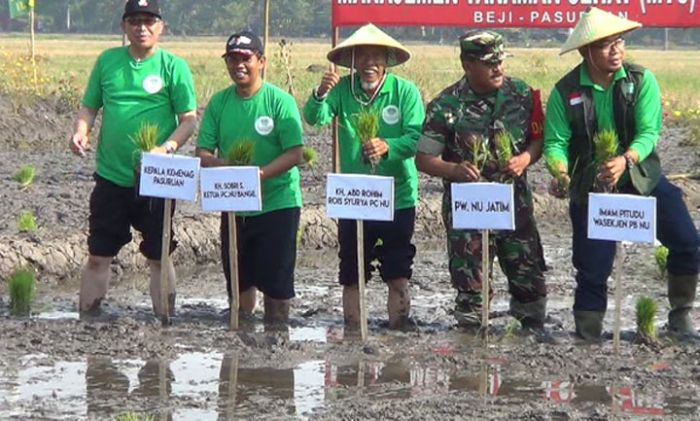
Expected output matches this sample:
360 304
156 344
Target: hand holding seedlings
464 171
375 149
612 169
328 82
559 186
518 164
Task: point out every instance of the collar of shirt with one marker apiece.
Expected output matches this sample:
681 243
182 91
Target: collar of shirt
585 78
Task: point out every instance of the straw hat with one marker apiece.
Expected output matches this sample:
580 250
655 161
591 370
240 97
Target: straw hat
369 35
596 24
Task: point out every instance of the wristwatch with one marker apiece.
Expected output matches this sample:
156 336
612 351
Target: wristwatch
629 161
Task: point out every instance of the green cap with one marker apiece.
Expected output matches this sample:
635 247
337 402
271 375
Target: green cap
483 45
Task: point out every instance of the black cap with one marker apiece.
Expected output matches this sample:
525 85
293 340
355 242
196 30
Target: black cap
244 42
133 7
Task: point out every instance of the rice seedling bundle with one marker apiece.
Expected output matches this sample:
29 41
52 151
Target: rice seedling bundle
241 153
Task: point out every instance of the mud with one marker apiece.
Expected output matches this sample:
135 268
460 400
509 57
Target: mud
55 366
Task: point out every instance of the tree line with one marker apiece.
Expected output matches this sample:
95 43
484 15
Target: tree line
288 18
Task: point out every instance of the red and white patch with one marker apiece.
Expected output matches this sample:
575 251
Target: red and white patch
575 98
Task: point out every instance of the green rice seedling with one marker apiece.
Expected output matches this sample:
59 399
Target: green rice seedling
146 138
367 126
310 156
512 328
21 285
606 145
27 222
241 153
554 167
646 316
480 152
133 416
661 256
504 147
25 175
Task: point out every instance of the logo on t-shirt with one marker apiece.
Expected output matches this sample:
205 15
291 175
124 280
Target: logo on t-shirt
264 125
391 114
152 84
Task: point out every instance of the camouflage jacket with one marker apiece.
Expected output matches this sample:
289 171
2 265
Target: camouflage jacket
458 119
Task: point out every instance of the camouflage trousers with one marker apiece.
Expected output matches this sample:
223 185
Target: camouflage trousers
519 253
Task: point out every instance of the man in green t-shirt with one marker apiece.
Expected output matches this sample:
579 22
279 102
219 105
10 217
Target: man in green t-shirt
472 115
134 85
262 115
400 112
606 93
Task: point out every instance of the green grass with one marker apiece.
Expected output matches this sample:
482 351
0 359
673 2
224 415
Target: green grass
27 222
25 175
21 285
646 317
241 153
661 256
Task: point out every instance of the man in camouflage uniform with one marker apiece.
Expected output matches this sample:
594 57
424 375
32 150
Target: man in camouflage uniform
483 104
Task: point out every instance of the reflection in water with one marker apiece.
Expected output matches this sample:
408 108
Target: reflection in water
238 386
101 388
105 384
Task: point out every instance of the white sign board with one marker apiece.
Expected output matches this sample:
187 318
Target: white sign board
230 189
361 197
169 176
621 217
483 206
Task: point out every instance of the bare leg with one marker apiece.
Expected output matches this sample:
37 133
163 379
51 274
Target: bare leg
276 311
155 267
94 282
248 301
351 306
398 303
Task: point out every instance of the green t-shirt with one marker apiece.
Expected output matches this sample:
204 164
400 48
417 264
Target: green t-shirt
271 120
131 93
648 116
401 115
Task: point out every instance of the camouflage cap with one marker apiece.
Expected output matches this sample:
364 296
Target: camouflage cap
483 45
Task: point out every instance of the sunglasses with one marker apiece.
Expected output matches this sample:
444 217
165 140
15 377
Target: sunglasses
148 21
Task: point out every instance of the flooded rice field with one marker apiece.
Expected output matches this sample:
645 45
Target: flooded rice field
55 366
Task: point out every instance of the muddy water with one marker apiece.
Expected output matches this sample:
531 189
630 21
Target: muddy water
55 366
201 386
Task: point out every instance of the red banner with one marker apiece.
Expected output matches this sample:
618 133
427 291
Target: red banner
510 13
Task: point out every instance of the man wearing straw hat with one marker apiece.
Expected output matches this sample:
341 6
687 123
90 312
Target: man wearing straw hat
396 102
134 85
483 106
605 92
